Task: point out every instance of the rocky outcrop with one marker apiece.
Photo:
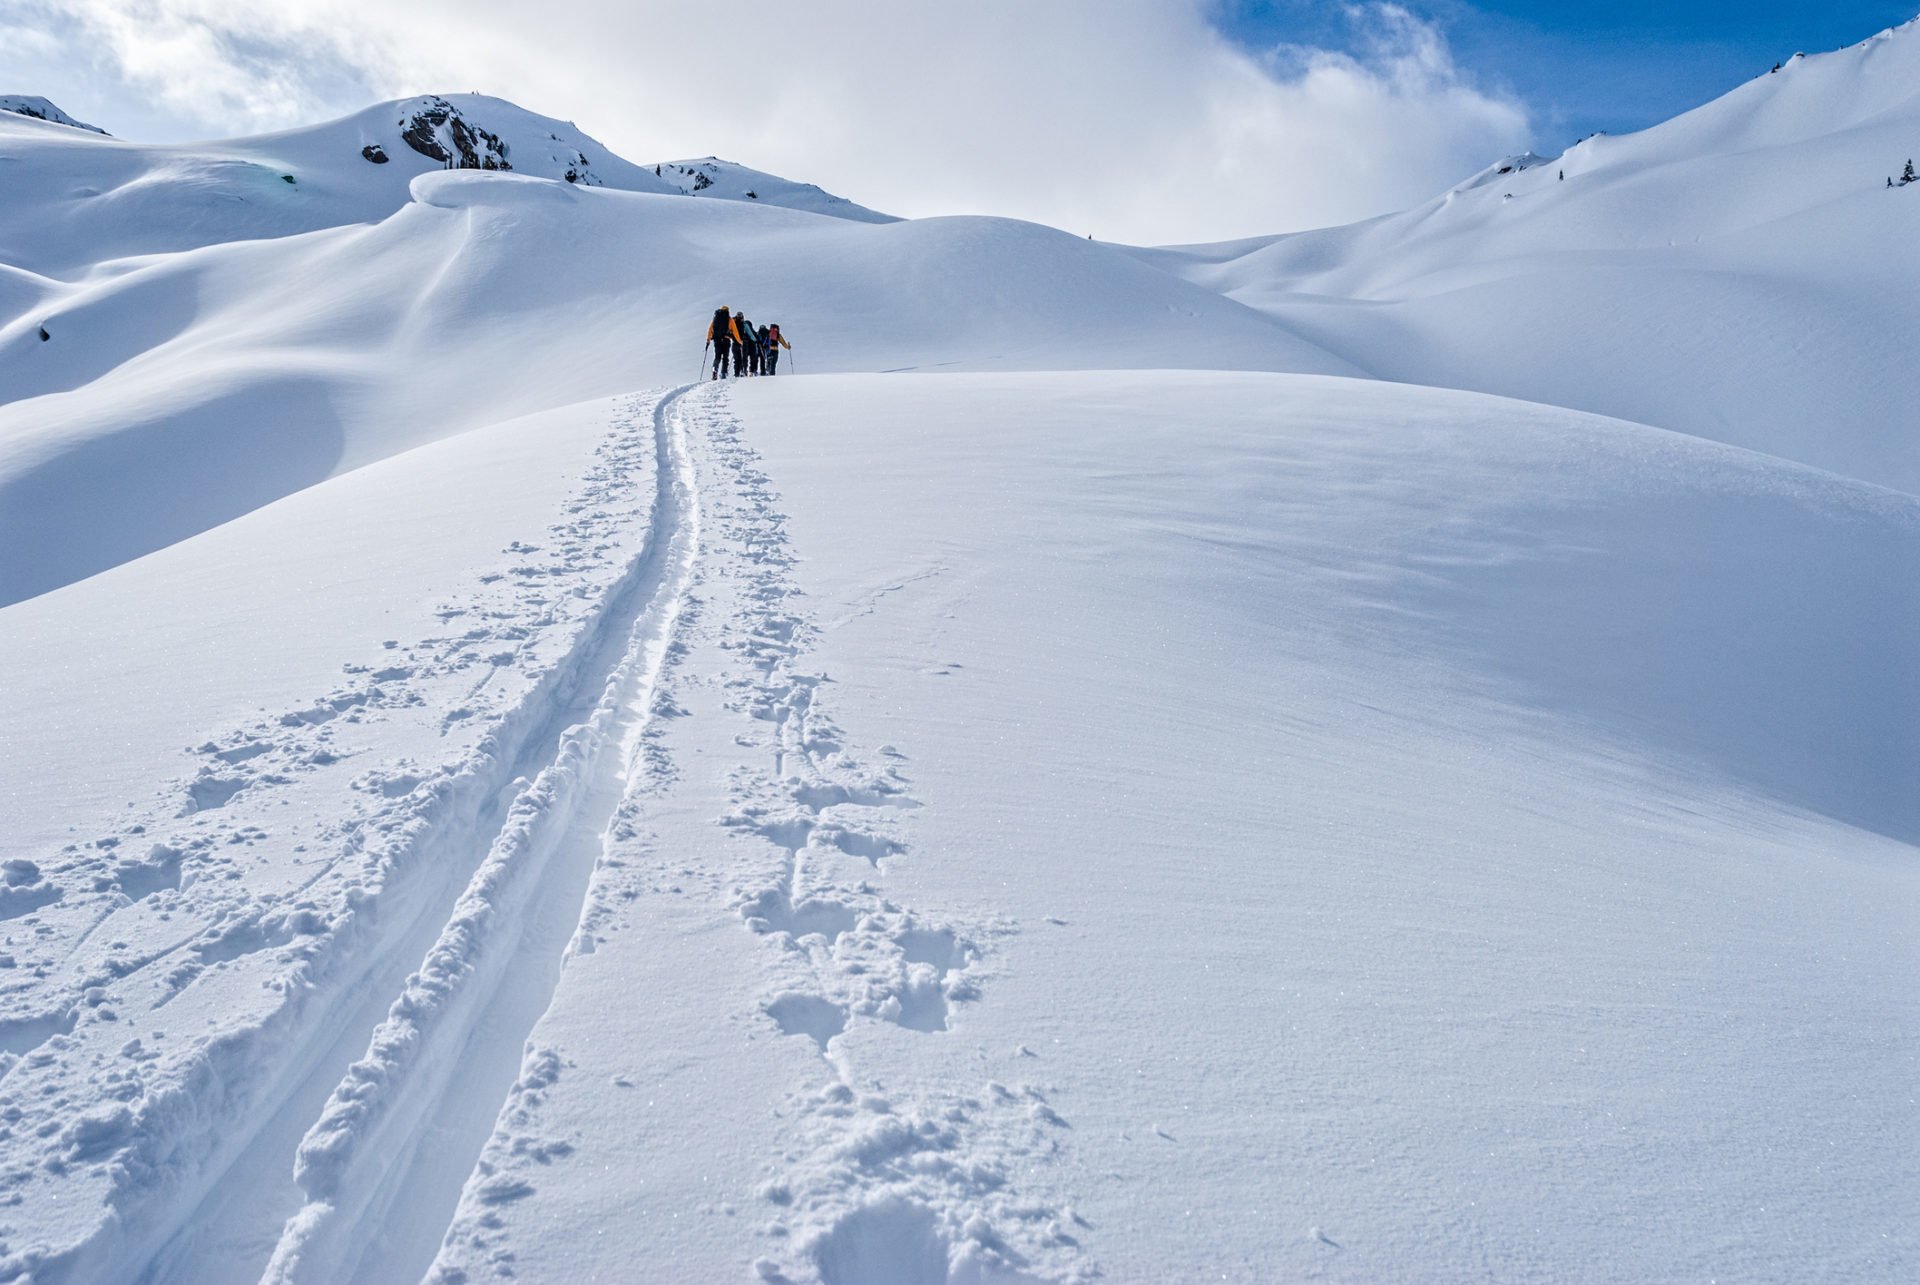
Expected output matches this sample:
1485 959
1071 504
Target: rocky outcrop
439 132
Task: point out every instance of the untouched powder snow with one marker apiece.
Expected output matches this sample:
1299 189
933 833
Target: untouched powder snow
1120 764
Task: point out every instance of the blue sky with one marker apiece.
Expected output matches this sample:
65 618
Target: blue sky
1586 65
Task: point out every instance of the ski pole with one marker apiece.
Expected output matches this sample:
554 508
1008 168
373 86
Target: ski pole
703 356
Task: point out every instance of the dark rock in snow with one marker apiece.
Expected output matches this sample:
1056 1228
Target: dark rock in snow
375 153
439 132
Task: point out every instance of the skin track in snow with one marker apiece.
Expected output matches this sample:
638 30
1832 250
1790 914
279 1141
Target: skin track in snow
382 1166
372 908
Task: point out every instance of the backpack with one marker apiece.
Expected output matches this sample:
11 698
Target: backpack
721 319
760 336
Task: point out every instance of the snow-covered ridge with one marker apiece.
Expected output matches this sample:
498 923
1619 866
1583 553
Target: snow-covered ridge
727 180
68 209
1503 167
41 109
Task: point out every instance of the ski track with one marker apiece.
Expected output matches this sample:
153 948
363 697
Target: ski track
384 1165
911 1184
381 1111
201 1137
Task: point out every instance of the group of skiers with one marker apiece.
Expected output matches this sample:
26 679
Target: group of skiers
751 350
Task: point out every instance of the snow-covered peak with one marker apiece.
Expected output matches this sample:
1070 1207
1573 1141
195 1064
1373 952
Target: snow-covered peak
474 131
75 200
1806 96
41 109
731 181
1504 167
456 131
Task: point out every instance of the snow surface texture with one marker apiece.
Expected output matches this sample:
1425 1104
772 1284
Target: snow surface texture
1152 806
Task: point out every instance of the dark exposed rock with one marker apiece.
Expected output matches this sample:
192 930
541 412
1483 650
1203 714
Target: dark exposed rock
375 153
463 146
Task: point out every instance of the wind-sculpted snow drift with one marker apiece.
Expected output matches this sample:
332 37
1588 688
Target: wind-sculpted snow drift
1147 803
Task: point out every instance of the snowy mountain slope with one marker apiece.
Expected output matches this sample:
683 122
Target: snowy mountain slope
1740 272
78 202
728 181
178 393
1561 859
40 109
72 209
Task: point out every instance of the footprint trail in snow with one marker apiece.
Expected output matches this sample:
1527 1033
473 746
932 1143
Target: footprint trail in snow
867 1181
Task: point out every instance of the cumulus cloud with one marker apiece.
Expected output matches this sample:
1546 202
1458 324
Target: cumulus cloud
1130 119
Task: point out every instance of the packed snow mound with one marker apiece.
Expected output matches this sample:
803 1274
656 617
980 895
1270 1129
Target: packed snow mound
713 177
78 201
177 393
41 109
1740 272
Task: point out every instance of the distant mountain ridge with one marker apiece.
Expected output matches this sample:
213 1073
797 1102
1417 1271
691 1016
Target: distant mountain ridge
41 109
730 181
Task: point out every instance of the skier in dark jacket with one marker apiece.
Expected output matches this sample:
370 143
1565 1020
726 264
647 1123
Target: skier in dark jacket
743 353
723 336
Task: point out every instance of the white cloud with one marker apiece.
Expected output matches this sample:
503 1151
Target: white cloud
1130 119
